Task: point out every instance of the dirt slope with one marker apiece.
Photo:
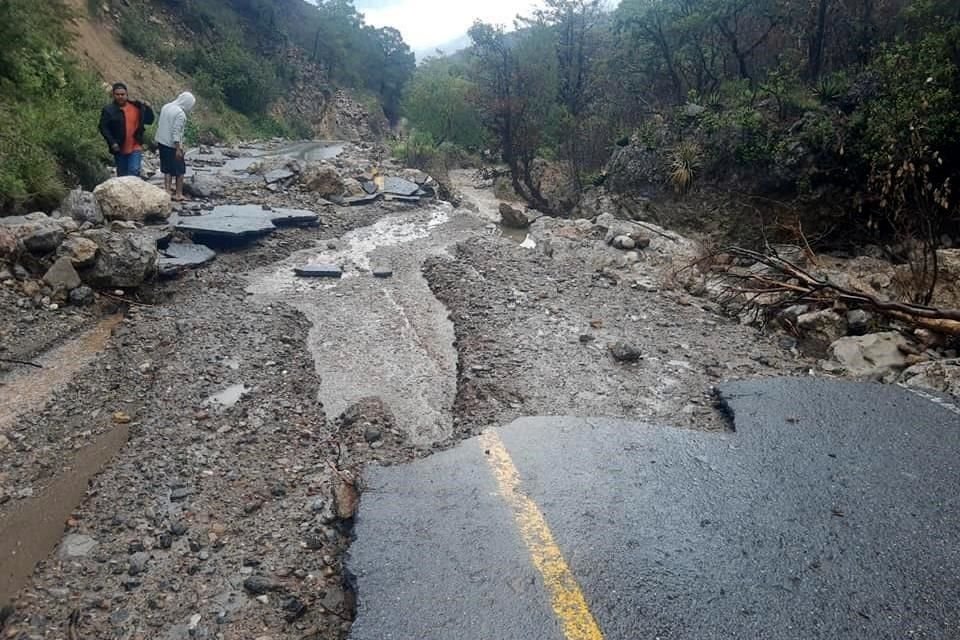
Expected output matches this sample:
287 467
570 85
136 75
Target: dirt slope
98 46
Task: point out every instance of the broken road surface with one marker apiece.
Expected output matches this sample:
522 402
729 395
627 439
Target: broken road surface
830 512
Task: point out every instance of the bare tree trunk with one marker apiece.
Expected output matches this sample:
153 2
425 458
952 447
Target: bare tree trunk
817 41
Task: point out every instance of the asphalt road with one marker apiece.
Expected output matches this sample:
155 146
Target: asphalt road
831 512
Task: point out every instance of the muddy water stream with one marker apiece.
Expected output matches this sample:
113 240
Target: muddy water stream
30 529
487 205
390 337
29 389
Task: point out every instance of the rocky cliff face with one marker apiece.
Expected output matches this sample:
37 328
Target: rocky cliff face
331 113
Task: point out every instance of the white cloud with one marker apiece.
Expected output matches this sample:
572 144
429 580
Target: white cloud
431 23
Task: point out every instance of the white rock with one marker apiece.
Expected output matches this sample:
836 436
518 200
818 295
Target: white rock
874 355
130 198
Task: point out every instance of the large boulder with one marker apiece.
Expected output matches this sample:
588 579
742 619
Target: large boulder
43 238
130 198
820 329
203 186
637 167
940 375
81 206
876 356
36 232
515 218
554 181
9 244
124 260
62 276
323 180
947 293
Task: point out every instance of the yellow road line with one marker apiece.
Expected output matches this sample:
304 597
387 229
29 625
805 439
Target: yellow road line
568 603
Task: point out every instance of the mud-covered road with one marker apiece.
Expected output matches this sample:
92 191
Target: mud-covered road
253 400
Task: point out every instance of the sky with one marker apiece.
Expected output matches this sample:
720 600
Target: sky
428 24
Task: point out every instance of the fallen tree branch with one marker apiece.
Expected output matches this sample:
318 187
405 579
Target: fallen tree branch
799 285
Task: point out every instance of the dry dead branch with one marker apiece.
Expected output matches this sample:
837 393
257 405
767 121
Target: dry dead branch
783 283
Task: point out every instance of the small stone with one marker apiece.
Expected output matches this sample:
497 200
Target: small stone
858 322
382 272
76 545
347 499
625 243
259 585
294 608
178 528
82 296
181 493
138 563
253 506
372 435
120 417
625 352
313 543
332 601
586 337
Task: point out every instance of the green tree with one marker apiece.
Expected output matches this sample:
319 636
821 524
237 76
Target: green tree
518 85
440 101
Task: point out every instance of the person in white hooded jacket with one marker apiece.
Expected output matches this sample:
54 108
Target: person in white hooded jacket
170 130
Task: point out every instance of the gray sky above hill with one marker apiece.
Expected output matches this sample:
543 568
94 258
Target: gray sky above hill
427 24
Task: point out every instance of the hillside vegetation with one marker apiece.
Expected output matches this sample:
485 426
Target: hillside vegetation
239 52
243 58
48 109
850 106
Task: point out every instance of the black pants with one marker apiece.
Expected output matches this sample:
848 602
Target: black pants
170 164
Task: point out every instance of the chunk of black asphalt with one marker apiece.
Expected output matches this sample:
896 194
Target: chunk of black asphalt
382 272
400 186
407 199
277 175
362 200
319 271
177 256
831 512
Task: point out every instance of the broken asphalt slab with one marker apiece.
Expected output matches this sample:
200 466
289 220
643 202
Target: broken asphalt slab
359 201
177 257
831 512
319 271
400 187
278 175
238 222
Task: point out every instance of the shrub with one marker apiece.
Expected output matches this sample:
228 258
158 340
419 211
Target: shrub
685 161
416 150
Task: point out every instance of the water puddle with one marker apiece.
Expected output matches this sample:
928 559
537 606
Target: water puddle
229 397
29 389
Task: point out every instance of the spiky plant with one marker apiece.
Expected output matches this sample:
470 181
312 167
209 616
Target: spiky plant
685 160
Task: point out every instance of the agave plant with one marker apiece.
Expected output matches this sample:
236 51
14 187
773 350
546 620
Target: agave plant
685 160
